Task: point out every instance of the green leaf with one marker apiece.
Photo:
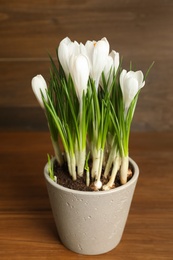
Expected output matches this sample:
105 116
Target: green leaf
50 167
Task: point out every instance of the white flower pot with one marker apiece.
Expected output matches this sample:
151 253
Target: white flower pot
91 223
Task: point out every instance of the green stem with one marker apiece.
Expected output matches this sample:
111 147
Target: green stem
116 166
95 166
124 169
110 160
81 155
71 162
58 153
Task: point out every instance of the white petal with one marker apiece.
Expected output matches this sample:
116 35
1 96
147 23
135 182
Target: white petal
143 84
102 46
83 49
107 72
140 77
116 59
63 55
100 54
122 77
89 45
130 90
97 53
74 48
105 42
108 66
79 69
66 40
39 85
130 74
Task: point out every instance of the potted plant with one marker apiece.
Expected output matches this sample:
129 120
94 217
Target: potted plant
89 104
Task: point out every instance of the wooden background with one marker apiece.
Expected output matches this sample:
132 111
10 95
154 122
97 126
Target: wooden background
142 31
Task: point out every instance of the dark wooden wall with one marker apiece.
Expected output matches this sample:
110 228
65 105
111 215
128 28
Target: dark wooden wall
142 31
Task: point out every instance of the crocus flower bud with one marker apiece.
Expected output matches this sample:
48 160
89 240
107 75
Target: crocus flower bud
115 60
39 86
112 64
130 82
97 53
65 50
63 54
79 70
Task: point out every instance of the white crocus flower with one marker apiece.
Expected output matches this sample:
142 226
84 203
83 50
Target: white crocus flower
79 70
97 53
39 86
131 82
66 49
111 67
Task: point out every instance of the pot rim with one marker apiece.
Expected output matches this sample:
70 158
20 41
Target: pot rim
96 193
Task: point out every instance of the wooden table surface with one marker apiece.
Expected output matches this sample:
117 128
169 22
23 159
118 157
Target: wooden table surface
27 229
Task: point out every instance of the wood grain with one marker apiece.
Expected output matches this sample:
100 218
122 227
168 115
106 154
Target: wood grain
140 30
27 229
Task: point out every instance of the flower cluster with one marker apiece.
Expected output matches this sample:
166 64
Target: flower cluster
89 105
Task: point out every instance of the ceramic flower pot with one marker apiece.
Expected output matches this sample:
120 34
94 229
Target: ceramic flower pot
91 223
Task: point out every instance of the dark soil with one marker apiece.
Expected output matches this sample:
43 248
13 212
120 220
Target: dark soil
64 179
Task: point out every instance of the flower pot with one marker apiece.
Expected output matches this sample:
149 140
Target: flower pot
91 223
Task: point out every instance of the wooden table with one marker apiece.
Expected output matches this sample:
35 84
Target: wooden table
27 229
